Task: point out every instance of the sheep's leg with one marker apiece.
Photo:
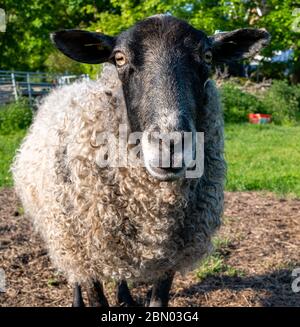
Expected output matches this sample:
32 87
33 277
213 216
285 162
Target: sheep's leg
160 290
124 297
77 296
96 295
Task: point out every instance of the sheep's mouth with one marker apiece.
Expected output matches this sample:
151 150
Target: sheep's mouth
166 174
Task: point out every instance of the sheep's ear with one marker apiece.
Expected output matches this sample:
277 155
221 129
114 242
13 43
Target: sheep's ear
84 46
238 44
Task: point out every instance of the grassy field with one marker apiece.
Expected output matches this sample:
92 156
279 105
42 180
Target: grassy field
263 157
259 158
8 146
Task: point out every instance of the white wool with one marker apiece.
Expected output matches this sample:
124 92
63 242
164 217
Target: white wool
113 223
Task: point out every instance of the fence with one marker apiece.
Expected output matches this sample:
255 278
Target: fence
16 84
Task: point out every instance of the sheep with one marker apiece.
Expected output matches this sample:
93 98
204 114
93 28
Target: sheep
141 224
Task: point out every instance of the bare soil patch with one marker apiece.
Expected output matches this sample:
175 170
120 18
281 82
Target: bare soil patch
264 244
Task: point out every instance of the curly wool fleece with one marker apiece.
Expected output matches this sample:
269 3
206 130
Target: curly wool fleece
103 223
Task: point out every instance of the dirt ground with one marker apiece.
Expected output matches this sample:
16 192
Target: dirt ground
264 234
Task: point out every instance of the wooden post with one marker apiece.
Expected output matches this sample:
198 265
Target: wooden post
29 88
13 82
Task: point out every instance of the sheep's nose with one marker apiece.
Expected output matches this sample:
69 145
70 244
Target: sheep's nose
170 150
176 153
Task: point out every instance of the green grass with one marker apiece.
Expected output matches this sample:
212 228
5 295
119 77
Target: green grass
263 157
8 146
260 157
215 265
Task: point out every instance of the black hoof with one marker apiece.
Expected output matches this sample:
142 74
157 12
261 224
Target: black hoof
96 296
77 297
124 298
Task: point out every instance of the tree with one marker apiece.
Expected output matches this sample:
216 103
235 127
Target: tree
26 44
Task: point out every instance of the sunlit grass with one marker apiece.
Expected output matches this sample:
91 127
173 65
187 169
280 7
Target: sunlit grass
8 147
215 264
263 157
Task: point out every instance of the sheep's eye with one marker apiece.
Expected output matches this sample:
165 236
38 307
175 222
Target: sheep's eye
120 59
208 56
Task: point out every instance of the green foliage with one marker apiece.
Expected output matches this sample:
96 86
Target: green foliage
8 147
15 117
215 264
14 121
212 15
53 282
20 211
263 157
238 104
123 14
26 44
59 63
283 102
279 21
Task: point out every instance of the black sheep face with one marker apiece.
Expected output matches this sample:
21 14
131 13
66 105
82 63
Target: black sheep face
163 64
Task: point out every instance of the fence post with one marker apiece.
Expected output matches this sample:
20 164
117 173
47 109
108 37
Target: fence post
13 82
29 88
